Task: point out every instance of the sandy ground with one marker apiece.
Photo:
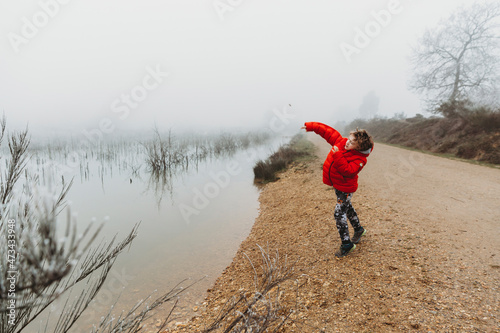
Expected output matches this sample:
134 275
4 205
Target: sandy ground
430 261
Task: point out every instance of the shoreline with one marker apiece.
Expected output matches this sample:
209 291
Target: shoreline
406 274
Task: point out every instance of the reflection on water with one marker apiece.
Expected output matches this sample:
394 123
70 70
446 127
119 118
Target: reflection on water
192 221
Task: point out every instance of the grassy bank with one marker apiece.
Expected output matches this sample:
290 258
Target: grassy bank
299 149
473 137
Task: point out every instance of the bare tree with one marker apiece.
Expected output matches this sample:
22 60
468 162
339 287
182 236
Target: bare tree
459 59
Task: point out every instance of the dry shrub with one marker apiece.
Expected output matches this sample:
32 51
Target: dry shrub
260 309
468 150
484 119
266 170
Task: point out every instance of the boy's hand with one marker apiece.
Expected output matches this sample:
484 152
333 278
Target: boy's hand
303 127
335 149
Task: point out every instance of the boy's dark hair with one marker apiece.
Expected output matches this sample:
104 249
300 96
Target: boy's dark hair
363 139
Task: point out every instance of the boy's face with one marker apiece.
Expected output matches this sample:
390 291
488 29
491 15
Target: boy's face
351 143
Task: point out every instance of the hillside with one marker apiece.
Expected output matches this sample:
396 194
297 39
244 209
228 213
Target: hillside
475 137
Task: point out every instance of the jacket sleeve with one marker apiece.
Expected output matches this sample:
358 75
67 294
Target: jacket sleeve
346 168
326 132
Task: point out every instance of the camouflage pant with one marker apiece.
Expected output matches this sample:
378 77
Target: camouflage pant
344 211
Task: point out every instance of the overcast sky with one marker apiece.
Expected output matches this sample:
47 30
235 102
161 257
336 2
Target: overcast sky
77 65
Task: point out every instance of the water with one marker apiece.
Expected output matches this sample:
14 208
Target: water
190 226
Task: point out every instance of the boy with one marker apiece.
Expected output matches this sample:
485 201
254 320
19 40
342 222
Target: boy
340 170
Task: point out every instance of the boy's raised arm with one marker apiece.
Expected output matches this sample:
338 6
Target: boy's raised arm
328 133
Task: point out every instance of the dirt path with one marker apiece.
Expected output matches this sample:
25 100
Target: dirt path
430 260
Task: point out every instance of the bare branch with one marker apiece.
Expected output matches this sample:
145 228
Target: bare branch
259 312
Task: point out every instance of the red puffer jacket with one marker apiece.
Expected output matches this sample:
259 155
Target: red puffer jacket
340 169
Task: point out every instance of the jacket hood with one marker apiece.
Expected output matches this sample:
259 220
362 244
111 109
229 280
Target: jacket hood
368 151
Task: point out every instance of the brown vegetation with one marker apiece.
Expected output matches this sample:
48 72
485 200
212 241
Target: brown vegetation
471 135
265 171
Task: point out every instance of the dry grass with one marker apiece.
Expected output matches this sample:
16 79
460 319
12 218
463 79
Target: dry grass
266 170
474 136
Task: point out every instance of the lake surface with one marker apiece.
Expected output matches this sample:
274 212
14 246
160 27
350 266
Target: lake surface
190 226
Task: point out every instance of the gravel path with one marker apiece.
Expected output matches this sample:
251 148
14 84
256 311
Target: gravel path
430 261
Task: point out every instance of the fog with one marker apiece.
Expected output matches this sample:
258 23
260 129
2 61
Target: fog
73 66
